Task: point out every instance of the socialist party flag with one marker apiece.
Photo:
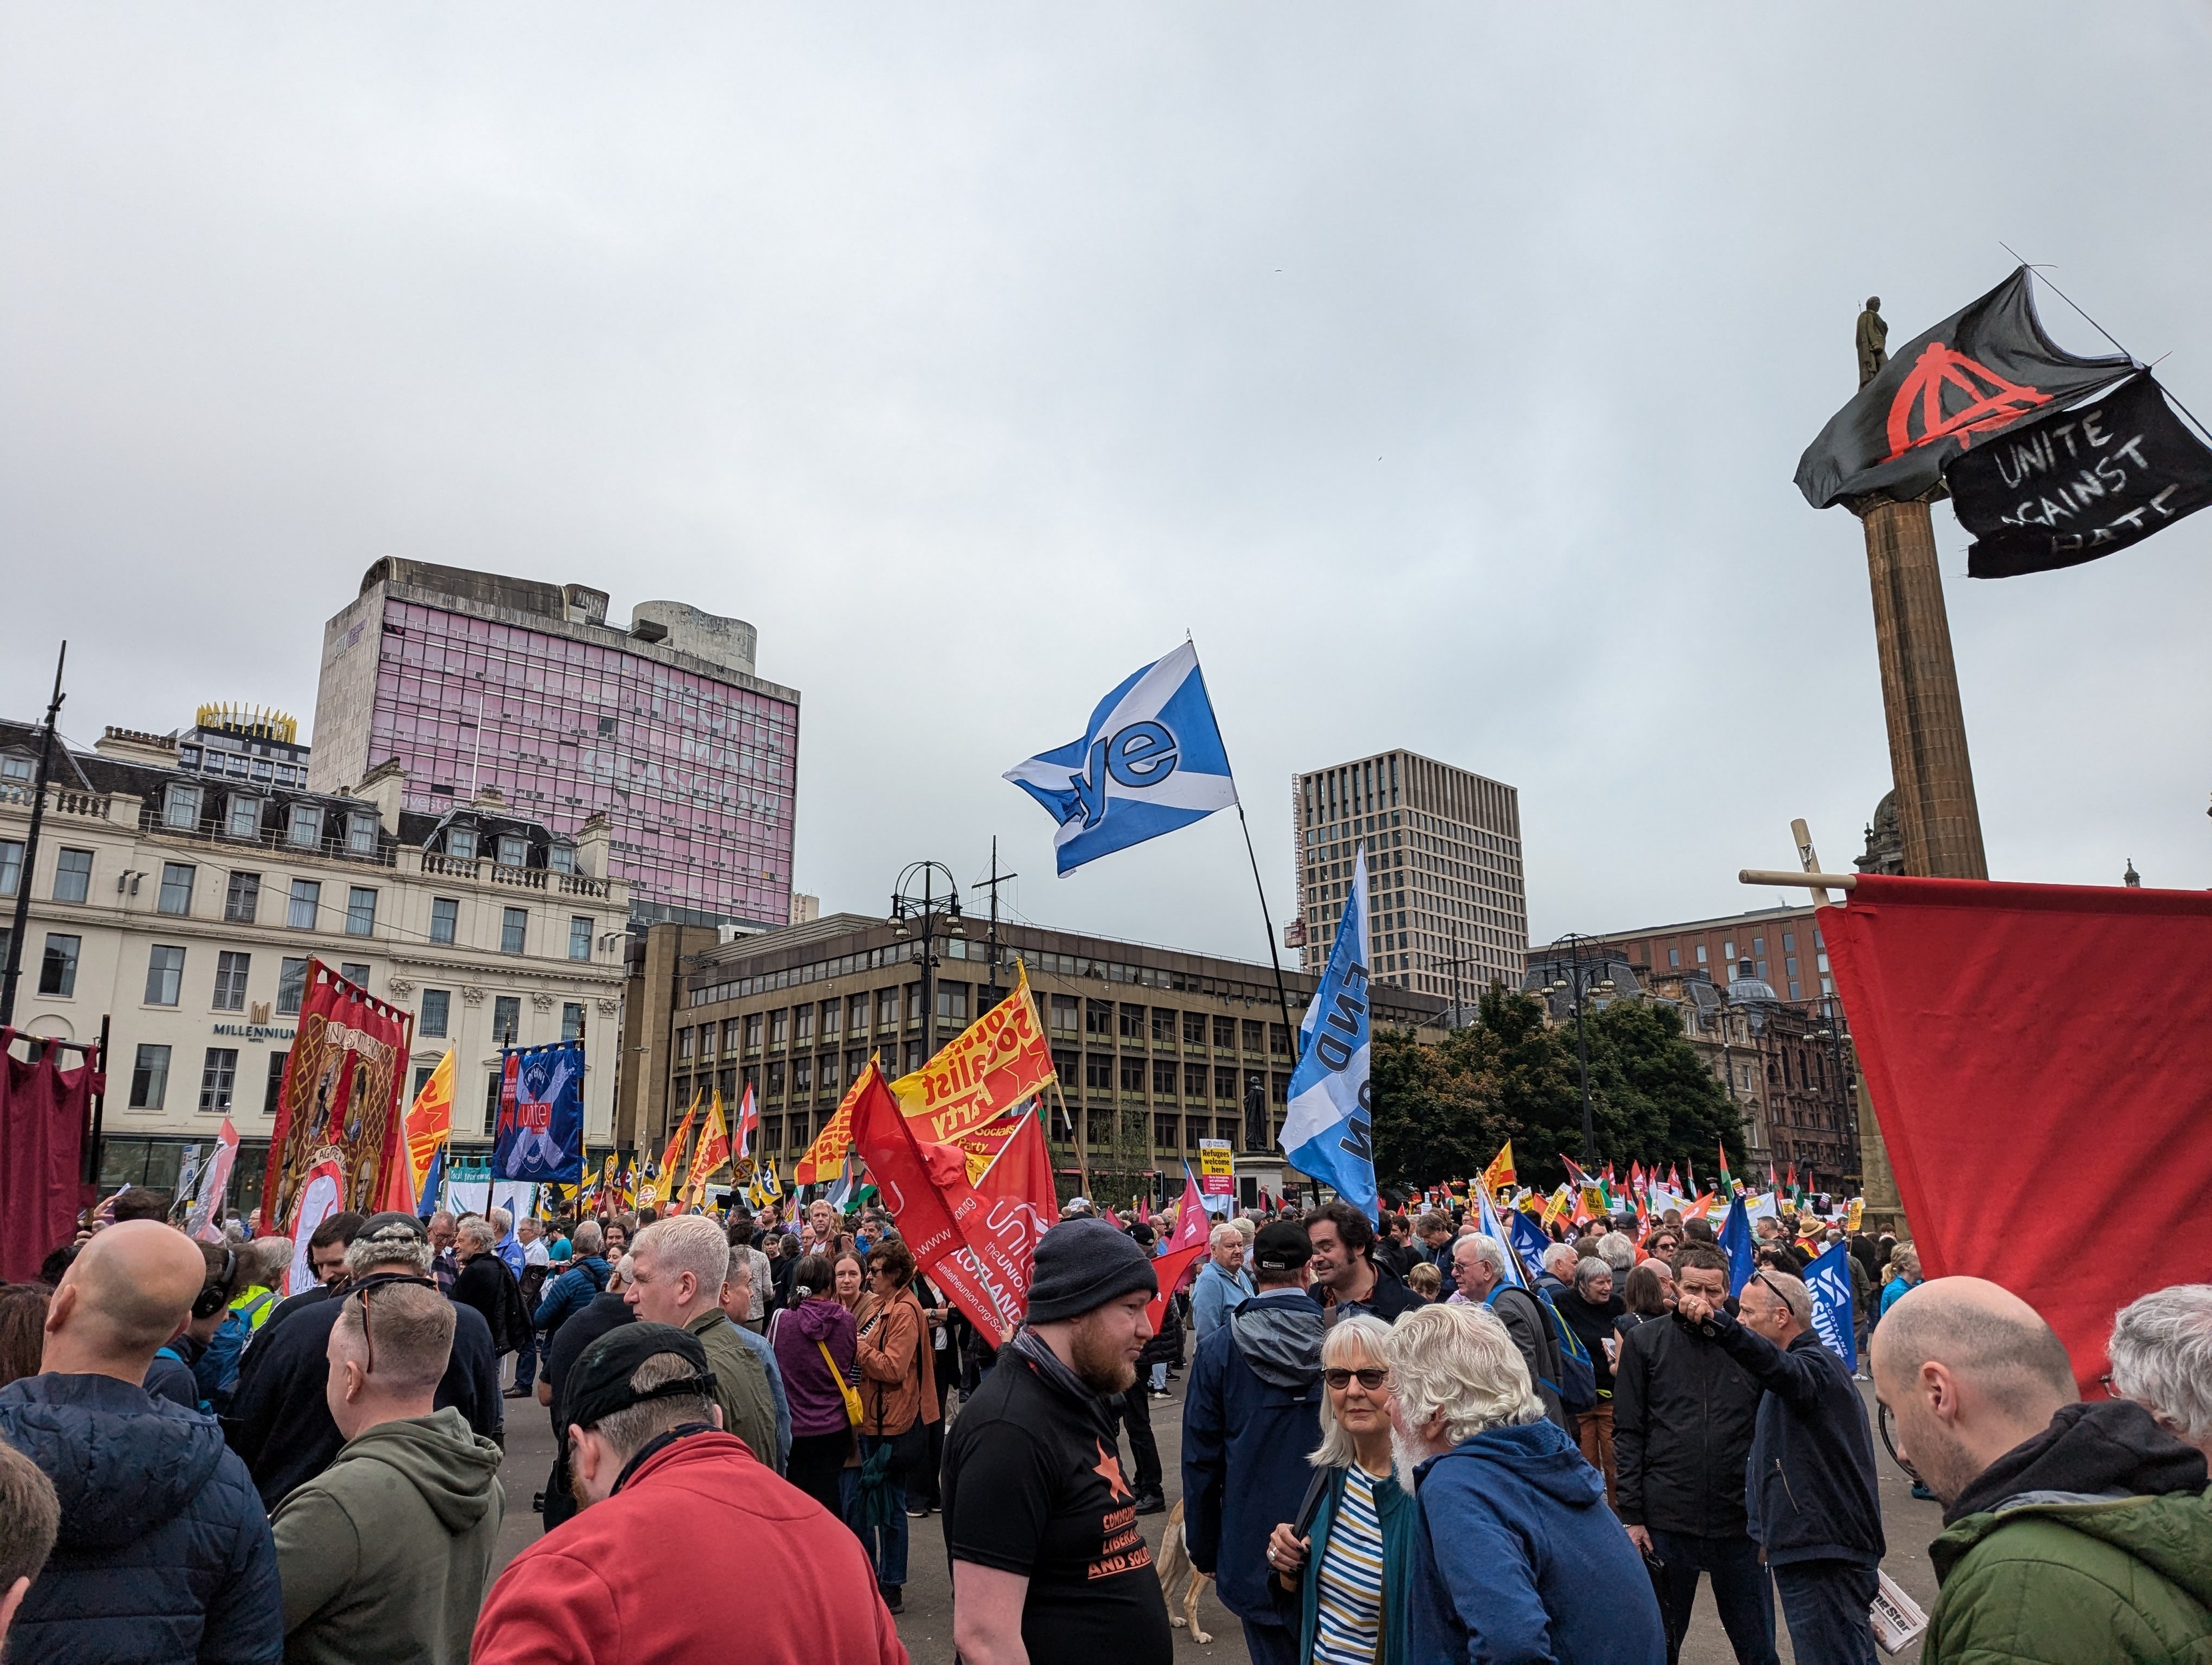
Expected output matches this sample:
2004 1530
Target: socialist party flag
1152 761
1985 367
1327 1132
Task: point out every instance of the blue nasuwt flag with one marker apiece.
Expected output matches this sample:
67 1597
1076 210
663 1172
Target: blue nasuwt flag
539 1134
1327 1129
1529 1239
1151 761
1517 1273
1829 1278
1735 1243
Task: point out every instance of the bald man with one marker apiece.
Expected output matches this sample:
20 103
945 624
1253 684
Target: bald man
2074 1531
164 1550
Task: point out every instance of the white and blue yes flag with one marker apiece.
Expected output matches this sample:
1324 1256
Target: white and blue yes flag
1829 1279
1516 1271
1152 761
1327 1132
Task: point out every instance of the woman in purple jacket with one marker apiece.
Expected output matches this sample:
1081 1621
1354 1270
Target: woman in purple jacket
821 1433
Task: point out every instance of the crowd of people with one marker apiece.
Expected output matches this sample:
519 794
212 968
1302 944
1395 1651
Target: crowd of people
1399 1445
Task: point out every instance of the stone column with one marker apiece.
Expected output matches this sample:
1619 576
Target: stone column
1936 813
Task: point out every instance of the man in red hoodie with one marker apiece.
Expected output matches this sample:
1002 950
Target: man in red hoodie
649 1463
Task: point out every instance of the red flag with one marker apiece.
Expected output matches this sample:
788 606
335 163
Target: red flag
1192 1226
2040 1043
1172 1268
1144 1213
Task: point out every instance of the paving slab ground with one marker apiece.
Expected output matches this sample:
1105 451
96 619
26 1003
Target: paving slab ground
927 1624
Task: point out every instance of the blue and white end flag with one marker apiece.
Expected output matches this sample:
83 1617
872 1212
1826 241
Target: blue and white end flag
1152 761
1517 1268
1327 1132
1828 1279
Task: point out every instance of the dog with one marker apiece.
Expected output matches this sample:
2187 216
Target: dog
1174 1564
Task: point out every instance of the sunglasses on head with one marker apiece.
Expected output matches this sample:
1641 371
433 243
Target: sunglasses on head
1371 1379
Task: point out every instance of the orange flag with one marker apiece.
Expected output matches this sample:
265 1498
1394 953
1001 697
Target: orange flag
673 1155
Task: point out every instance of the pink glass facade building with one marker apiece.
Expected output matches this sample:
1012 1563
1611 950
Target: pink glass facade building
477 682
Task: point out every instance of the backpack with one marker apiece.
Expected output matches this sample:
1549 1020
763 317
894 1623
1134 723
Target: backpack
216 1368
1577 1378
175 1357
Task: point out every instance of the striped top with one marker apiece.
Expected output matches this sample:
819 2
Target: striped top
1348 1610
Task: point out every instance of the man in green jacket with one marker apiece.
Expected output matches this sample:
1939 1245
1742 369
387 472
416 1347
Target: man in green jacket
680 1267
387 1553
2074 1531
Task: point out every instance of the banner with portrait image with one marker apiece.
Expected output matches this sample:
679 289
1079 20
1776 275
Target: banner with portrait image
339 1099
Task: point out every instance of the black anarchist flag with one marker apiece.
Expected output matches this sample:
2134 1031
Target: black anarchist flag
2076 484
1979 371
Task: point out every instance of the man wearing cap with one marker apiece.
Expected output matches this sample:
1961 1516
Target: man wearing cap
1040 1523
651 1466
1251 1420
280 1422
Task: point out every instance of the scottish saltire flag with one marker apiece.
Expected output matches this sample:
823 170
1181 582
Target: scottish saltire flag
539 1133
1829 1278
1151 761
1328 1131
1516 1273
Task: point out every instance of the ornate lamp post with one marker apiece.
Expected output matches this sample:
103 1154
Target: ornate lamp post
920 903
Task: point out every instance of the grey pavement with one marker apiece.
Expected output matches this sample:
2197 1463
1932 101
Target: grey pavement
927 1624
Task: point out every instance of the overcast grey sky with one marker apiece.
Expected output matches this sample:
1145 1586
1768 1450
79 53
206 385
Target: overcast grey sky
1443 368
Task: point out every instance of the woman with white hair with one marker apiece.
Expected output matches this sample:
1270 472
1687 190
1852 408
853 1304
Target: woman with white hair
1340 1568
2162 1353
1516 1555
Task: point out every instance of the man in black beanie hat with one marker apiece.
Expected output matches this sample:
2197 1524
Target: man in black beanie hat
1250 1421
1040 1523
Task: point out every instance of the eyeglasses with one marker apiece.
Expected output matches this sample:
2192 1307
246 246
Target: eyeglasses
1371 1379
368 1341
1885 1422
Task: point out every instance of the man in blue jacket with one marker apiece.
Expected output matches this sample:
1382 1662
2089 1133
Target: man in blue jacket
1251 1418
1223 1283
1809 1492
1516 1555
164 1550
584 1282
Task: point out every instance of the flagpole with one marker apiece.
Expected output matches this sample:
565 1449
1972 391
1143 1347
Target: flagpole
1282 994
1080 1131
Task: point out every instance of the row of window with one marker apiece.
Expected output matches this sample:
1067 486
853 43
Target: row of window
798 1026
305 825
241 901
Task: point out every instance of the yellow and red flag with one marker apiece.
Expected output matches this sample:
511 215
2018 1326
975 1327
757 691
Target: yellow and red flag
671 1157
1499 1173
825 1157
982 1072
425 1132
713 1151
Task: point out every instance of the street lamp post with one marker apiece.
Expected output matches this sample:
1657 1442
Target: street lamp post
1831 1016
1577 986
934 913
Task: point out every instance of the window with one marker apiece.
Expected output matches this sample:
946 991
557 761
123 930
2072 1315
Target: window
1194 1081
579 936
1728 951
562 857
306 903
57 971
1067 1014
833 1012
149 1078
291 987
360 911
243 819
422 1074
1758 944
15 767
913 1003
230 969
887 1007
276 1083
304 827
1193 1028
218 1075
1701 954
491 1104
953 1000
856 1014
165 974
445 918
514 929
1163 1077
779 1027
802 1075
1098 1017
683 1042
1256 1035
1167 1132
181 808
461 843
241 899
1133 1023
803 1027
1225 1082
1674 956
1099 1072
1224 1034
514 850
775 1079
1788 943
176 887
1164 1027
361 834
437 1012
572 1020
752 1031
72 876
1133 1076
11 866
355 972
506 1019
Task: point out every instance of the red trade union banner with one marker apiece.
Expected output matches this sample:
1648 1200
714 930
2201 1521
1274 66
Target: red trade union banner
984 1072
2045 1049
339 1099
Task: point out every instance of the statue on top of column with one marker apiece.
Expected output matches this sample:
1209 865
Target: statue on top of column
1874 340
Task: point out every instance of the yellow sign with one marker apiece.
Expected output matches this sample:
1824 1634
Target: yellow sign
1215 1157
984 1072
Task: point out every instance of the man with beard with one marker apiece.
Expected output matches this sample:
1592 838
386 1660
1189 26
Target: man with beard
2072 1530
1039 1523
1250 1422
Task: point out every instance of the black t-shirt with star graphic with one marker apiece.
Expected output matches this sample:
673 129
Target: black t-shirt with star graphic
1033 1485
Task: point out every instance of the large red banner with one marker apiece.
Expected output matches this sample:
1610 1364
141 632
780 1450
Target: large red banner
2040 1058
340 1101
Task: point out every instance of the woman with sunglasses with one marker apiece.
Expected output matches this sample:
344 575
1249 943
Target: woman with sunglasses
1340 1568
